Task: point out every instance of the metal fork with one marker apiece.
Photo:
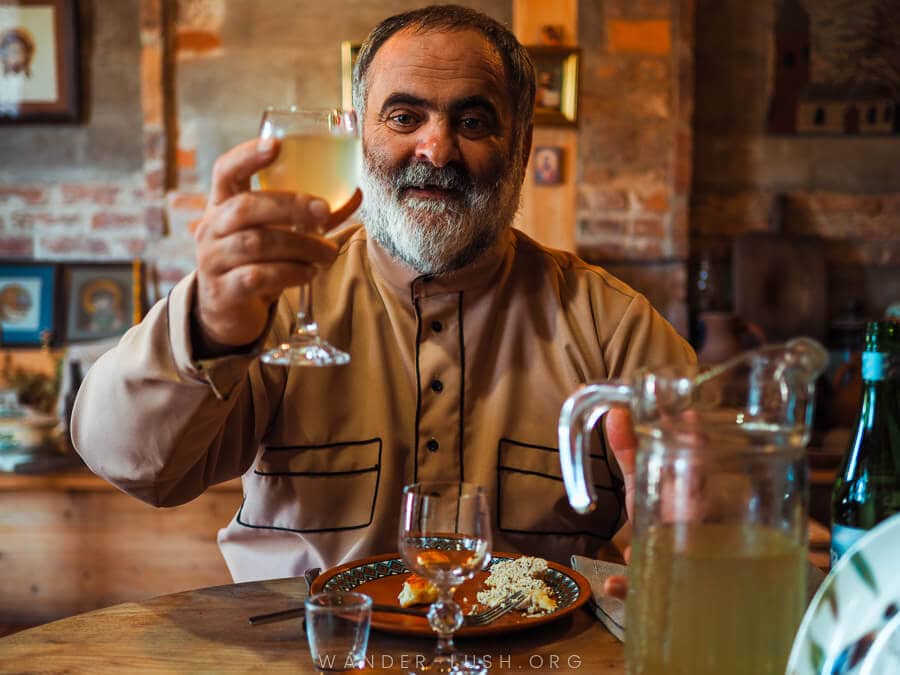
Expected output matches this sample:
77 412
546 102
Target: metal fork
494 613
479 619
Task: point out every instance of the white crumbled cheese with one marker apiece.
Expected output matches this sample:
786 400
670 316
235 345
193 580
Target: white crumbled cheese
520 574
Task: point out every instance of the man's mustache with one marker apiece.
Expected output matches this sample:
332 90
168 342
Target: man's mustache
452 177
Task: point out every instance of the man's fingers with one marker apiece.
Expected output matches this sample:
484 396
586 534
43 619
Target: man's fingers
251 209
620 434
616 587
266 279
232 171
345 211
268 245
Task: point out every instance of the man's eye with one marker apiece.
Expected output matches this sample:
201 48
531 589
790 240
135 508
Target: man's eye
475 127
401 119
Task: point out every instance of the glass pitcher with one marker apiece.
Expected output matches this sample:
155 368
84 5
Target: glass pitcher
717 581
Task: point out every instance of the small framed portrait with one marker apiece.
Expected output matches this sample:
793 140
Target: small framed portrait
27 304
38 61
548 165
556 98
349 52
102 300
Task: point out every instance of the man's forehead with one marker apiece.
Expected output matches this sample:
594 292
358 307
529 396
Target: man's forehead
464 59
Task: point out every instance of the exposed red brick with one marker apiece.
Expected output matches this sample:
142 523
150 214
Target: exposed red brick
188 201
602 226
188 178
730 213
648 227
197 41
640 37
104 195
17 246
151 85
67 245
34 219
657 202
186 158
151 15
27 194
154 144
598 199
613 249
828 202
154 180
155 219
109 220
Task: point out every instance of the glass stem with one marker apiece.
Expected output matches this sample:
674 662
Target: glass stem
306 325
445 617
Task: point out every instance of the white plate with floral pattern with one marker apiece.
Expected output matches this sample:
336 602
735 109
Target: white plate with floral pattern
852 626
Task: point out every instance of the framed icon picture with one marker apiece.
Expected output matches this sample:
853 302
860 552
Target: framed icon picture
38 61
27 304
349 52
102 300
556 98
548 162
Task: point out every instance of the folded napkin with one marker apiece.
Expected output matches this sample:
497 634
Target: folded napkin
611 611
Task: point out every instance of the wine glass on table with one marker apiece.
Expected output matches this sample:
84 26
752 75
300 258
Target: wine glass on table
445 537
320 155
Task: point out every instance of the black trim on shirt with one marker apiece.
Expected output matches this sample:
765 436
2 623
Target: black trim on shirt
462 389
564 533
323 446
415 445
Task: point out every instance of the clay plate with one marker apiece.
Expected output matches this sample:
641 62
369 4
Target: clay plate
381 577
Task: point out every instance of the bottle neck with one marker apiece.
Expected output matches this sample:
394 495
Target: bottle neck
880 366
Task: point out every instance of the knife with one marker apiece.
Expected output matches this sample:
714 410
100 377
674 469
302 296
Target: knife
297 612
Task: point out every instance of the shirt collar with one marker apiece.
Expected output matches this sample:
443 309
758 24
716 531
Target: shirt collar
406 280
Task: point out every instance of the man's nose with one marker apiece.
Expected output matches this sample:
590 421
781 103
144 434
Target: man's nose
437 144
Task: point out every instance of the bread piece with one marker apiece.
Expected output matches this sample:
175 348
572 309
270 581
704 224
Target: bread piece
417 591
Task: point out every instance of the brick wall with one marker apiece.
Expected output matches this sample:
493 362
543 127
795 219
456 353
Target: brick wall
634 158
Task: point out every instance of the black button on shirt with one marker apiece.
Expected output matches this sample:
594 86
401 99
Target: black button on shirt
437 386
432 445
437 326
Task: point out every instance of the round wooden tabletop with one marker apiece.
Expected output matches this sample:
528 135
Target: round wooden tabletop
206 630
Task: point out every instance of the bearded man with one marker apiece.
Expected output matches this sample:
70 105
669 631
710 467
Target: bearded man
465 336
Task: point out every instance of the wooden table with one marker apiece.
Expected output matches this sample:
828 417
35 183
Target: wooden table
206 630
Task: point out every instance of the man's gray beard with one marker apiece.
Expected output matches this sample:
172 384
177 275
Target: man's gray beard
438 235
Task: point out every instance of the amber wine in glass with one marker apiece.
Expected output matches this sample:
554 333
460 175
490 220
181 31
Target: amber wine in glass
445 536
320 155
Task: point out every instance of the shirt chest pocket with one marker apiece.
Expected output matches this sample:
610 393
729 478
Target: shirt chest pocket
314 488
531 497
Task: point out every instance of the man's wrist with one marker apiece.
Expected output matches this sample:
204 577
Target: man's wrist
205 347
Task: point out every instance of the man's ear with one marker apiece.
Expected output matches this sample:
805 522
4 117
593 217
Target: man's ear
526 144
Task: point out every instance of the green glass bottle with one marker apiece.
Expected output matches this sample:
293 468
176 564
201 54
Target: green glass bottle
867 489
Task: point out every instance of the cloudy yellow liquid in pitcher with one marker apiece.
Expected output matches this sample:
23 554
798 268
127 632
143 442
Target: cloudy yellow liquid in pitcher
697 593
317 164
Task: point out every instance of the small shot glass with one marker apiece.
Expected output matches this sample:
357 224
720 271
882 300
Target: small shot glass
337 628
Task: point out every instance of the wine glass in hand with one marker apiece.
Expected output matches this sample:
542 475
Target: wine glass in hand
445 537
320 155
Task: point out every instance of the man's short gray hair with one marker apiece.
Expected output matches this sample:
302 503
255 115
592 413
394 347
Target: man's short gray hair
517 62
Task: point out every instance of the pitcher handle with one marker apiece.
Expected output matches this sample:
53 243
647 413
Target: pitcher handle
580 414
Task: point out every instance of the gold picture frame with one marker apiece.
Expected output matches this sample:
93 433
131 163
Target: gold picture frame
556 71
349 52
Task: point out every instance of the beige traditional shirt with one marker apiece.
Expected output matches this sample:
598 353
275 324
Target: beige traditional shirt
452 377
